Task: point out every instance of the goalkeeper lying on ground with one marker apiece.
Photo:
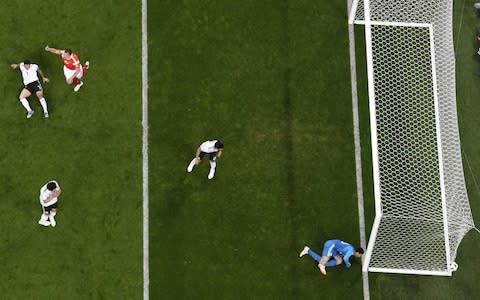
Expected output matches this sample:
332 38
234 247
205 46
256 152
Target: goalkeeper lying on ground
334 253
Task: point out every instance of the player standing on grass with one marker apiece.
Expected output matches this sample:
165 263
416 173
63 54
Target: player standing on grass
32 85
48 200
214 149
334 253
72 69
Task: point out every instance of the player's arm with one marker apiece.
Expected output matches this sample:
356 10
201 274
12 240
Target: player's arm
219 153
346 259
44 79
14 66
54 194
197 155
52 50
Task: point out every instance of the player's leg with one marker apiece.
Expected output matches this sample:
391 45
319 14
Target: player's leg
51 216
24 94
338 260
43 102
327 253
314 255
335 261
44 218
86 67
77 81
213 165
195 162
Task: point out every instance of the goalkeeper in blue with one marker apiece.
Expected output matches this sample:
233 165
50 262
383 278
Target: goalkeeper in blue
335 252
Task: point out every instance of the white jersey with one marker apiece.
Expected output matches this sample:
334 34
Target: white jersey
208 146
45 193
29 75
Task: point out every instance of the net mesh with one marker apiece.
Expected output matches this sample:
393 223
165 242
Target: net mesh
411 234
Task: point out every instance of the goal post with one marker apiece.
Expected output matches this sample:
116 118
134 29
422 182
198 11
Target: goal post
421 204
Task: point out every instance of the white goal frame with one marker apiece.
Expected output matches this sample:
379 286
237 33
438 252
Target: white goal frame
450 265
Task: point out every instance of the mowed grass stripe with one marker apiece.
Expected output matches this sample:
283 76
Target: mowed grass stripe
271 80
91 144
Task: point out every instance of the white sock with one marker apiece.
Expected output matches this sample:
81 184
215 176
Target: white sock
53 213
25 104
44 105
213 164
192 163
44 217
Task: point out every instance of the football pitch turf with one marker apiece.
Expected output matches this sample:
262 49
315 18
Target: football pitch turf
269 78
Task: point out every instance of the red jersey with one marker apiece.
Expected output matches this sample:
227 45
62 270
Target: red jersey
72 63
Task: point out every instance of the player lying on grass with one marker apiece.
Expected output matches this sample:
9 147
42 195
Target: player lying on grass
72 69
214 149
31 85
334 253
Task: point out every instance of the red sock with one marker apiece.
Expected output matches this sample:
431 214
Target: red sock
75 81
84 69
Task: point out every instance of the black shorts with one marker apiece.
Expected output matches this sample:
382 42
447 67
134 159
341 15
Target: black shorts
34 87
213 155
47 209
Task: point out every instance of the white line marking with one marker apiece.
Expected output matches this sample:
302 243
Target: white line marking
146 270
460 26
358 148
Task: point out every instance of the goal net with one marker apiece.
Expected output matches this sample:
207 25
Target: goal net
421 203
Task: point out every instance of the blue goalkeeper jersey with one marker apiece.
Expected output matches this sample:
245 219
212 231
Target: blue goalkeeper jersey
344 249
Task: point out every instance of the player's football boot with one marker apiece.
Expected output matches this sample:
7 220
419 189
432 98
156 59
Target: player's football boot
44 222
190 166
304 251
322 269
78 86
29 114
86 67
52 221
45 114
211 173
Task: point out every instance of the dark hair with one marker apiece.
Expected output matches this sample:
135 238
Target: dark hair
68 51
51 186
359 250
26 62
219 144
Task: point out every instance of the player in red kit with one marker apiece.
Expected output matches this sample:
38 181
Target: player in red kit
72 69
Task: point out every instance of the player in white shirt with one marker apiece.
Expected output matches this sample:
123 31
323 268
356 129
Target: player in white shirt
48 200
214 149
32 85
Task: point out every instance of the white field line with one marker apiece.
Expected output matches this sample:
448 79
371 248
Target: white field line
460 26
358 148
146 270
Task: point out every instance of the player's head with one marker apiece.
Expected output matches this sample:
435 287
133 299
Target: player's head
358 252
27 63
219 144
67 53
51 186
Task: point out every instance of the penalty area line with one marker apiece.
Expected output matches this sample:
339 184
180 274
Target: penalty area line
146 270
358 148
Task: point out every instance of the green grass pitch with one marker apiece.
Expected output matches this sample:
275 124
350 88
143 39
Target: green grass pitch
269 78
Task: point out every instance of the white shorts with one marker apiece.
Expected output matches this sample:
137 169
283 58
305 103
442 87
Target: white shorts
68 73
